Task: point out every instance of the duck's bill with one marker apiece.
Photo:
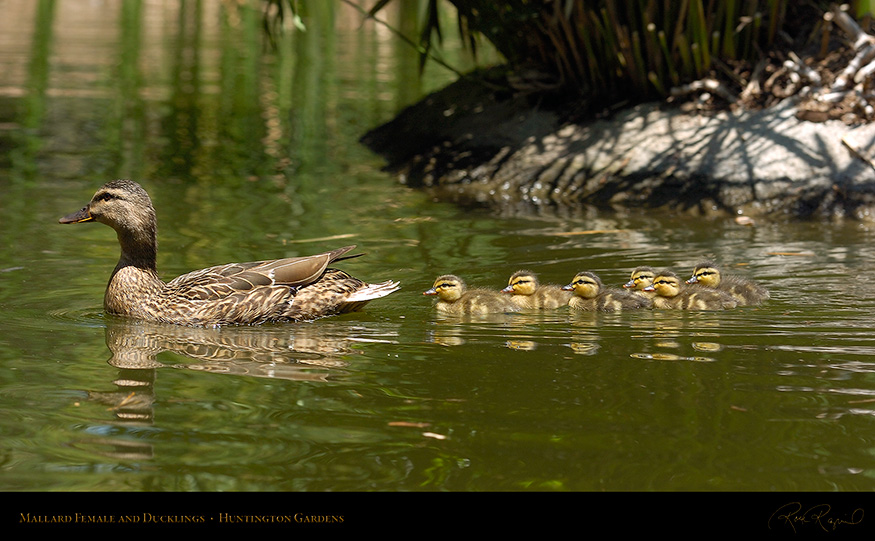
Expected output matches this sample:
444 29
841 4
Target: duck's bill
508 289
431 291
693 280
569 287
630 284
79 216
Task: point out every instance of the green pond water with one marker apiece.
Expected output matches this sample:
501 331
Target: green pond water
251 154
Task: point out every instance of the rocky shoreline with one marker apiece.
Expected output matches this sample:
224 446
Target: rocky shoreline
467 144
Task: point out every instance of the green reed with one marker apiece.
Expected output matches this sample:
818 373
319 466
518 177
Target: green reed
632 48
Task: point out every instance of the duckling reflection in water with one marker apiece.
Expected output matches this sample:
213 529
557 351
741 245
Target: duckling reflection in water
527 293
745 292
641 278
671 293
590 295
454 297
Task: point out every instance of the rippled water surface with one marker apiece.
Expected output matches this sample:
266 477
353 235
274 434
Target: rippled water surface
771 398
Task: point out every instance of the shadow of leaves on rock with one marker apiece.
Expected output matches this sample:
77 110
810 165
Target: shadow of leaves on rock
467 145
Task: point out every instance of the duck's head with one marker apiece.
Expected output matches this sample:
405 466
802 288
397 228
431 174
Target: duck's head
448 288
522 283
121 204
641 278
585 284
706 274
665 284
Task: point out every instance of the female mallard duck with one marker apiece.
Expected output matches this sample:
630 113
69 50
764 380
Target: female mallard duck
745 292
528 294
640 279
672 294
454 297
290 289
590 295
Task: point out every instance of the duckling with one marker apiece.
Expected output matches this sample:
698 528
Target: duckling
671 293
454 297
590 295
747 293
527 293
640 279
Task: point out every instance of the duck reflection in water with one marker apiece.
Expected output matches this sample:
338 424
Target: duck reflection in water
302 353
263 351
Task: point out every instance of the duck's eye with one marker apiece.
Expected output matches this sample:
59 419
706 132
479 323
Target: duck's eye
105 196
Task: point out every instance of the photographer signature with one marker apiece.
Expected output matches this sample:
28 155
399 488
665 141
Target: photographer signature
792 514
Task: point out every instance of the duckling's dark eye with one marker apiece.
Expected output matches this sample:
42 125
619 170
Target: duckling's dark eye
105 196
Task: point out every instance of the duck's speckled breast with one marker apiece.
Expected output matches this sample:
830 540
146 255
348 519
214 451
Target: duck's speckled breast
130 292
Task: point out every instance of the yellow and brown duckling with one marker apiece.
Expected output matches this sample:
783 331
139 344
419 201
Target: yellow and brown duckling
641 278
290 289
590 295
672 293
454 297
529 294
747 293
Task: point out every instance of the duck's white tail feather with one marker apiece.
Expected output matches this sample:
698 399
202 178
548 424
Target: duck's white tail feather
373 291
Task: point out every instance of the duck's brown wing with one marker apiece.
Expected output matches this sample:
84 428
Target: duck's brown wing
291 289
215 283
